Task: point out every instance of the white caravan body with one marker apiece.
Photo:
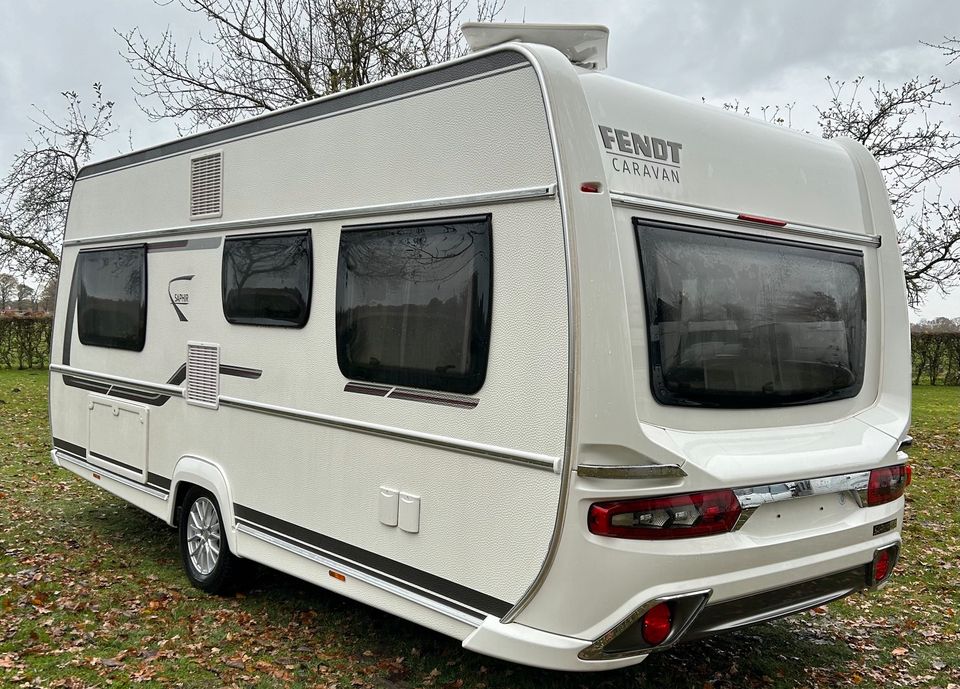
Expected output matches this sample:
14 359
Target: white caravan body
661 299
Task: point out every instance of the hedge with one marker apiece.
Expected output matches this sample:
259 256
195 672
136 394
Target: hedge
936 358
25 341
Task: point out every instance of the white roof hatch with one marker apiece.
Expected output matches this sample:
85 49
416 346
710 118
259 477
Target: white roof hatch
585 45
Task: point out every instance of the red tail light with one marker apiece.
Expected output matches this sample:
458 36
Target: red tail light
887 484
656 624
676 516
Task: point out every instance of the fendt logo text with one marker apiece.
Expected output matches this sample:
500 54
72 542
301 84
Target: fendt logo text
642 155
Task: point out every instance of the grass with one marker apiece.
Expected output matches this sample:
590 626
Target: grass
92 595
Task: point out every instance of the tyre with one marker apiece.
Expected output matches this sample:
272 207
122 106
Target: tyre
207 560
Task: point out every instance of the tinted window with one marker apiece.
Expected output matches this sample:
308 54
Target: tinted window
112 298
267 279
413 303
737 321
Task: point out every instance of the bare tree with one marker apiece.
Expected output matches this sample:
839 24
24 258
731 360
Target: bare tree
35 193
266 54
916 152
949 46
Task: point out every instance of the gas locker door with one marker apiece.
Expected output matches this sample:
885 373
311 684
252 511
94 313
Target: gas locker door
117 436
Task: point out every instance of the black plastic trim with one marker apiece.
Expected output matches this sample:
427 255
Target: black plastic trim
410 578
79 453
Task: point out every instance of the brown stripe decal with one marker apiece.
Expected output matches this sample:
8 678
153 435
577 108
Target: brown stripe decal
447 400
376 390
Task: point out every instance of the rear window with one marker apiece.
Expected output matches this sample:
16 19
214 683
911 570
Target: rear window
413 303
740 321
112 298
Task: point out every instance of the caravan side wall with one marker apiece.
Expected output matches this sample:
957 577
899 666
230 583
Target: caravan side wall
294 455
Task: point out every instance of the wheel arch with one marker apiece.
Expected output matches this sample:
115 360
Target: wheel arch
192 471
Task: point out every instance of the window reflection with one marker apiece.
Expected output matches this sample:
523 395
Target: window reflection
267 279
112 298
413 304
740 322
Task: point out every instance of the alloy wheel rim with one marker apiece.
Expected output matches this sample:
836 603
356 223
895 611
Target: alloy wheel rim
203 536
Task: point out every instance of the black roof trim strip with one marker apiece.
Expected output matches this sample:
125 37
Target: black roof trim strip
319 108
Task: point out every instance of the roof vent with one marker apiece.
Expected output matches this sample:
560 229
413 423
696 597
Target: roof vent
585 45
203 375
206 186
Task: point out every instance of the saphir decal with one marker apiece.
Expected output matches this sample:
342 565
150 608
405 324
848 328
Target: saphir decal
179 296
642 155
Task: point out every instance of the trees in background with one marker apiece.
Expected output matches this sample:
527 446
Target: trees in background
936 351
261 56
917 152
35 193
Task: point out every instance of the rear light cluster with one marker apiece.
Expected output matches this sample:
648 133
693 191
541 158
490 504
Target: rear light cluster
887 484
675 516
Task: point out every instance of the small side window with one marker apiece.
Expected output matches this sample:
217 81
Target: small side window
112 298
413 303
267 279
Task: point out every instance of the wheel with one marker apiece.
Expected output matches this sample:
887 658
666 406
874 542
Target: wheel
207 559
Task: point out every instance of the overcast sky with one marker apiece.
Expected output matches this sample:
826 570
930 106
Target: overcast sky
757 52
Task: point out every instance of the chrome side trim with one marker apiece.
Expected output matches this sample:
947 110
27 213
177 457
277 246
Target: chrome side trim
687 211
686 606
61 456
477 449
493 452
444 203
573 353
640 471
141 385
360 576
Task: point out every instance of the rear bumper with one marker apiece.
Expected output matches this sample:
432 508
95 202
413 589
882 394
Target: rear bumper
779 602
698 615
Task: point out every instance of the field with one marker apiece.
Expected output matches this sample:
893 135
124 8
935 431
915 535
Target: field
92 595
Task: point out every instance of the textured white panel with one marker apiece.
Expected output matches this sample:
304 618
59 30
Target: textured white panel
206 185
481 136
203 374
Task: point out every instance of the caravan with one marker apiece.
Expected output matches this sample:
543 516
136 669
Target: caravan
563 367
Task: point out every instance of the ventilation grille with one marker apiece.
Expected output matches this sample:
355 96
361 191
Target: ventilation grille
206 185
203 374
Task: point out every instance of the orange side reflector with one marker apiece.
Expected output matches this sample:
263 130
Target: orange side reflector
96 476
338 576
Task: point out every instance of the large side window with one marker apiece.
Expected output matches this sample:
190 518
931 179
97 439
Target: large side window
112 298
413 303
267 279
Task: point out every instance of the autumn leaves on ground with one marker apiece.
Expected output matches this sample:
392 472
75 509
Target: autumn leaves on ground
92 595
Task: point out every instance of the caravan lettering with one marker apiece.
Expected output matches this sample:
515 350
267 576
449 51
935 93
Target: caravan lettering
663 155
